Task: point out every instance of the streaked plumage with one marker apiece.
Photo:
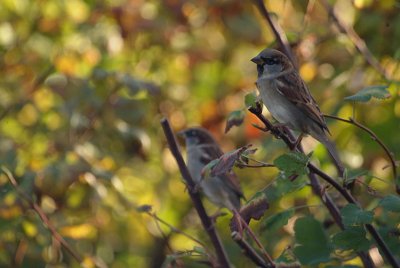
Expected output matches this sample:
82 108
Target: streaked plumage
288 99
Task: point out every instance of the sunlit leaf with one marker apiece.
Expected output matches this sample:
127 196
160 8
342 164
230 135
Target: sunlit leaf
80 231
364 95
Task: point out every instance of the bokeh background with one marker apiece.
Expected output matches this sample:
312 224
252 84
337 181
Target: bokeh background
84 84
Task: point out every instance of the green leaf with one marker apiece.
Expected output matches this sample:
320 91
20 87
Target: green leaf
351 238
275 222
199 250
235 118
314 246
353 215
293 163
353 175
391 203
250 100
283 186
364 95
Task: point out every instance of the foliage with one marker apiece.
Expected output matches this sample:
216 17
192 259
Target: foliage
83 87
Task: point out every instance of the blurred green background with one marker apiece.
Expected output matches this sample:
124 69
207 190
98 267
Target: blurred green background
84 84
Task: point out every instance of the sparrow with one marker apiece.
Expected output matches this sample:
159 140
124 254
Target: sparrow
201 148
289 101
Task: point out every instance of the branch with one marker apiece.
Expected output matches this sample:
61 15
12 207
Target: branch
174 229
371 229
194 195
280 35
357 41
42 215
286 138
375 138
248 250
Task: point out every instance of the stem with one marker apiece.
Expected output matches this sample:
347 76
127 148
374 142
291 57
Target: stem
248 250
357 41
46 221
174 229
280 35
194 195
375 138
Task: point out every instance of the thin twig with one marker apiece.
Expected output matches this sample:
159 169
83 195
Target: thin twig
357 41
46 221
375 138
174 229
280 35
194 195
268 257
248 250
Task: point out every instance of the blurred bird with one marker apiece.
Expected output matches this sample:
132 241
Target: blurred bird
222 190
289 101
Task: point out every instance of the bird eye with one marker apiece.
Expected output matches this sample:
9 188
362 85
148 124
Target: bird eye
270 61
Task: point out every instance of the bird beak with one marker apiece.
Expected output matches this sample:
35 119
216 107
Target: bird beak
256 60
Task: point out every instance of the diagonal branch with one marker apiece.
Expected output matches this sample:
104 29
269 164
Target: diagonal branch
375 138
350 199
248 250
194 195
280 35
46 221
357 41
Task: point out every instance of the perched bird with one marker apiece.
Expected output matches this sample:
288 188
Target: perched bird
222 190
289 101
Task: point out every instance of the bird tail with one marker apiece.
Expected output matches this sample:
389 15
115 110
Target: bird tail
331 147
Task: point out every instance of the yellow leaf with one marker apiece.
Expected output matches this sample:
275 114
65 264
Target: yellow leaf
44 99
308 71
81 231
29 228
28 116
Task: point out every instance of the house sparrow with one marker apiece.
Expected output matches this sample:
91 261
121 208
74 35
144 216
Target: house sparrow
222 190
289 101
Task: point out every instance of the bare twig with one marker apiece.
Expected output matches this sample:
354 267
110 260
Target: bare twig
280 35
248 250
267 257
46 221
194 195
174 229
357 41
375 138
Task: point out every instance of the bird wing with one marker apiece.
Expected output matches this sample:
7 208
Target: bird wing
211 152
292 86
